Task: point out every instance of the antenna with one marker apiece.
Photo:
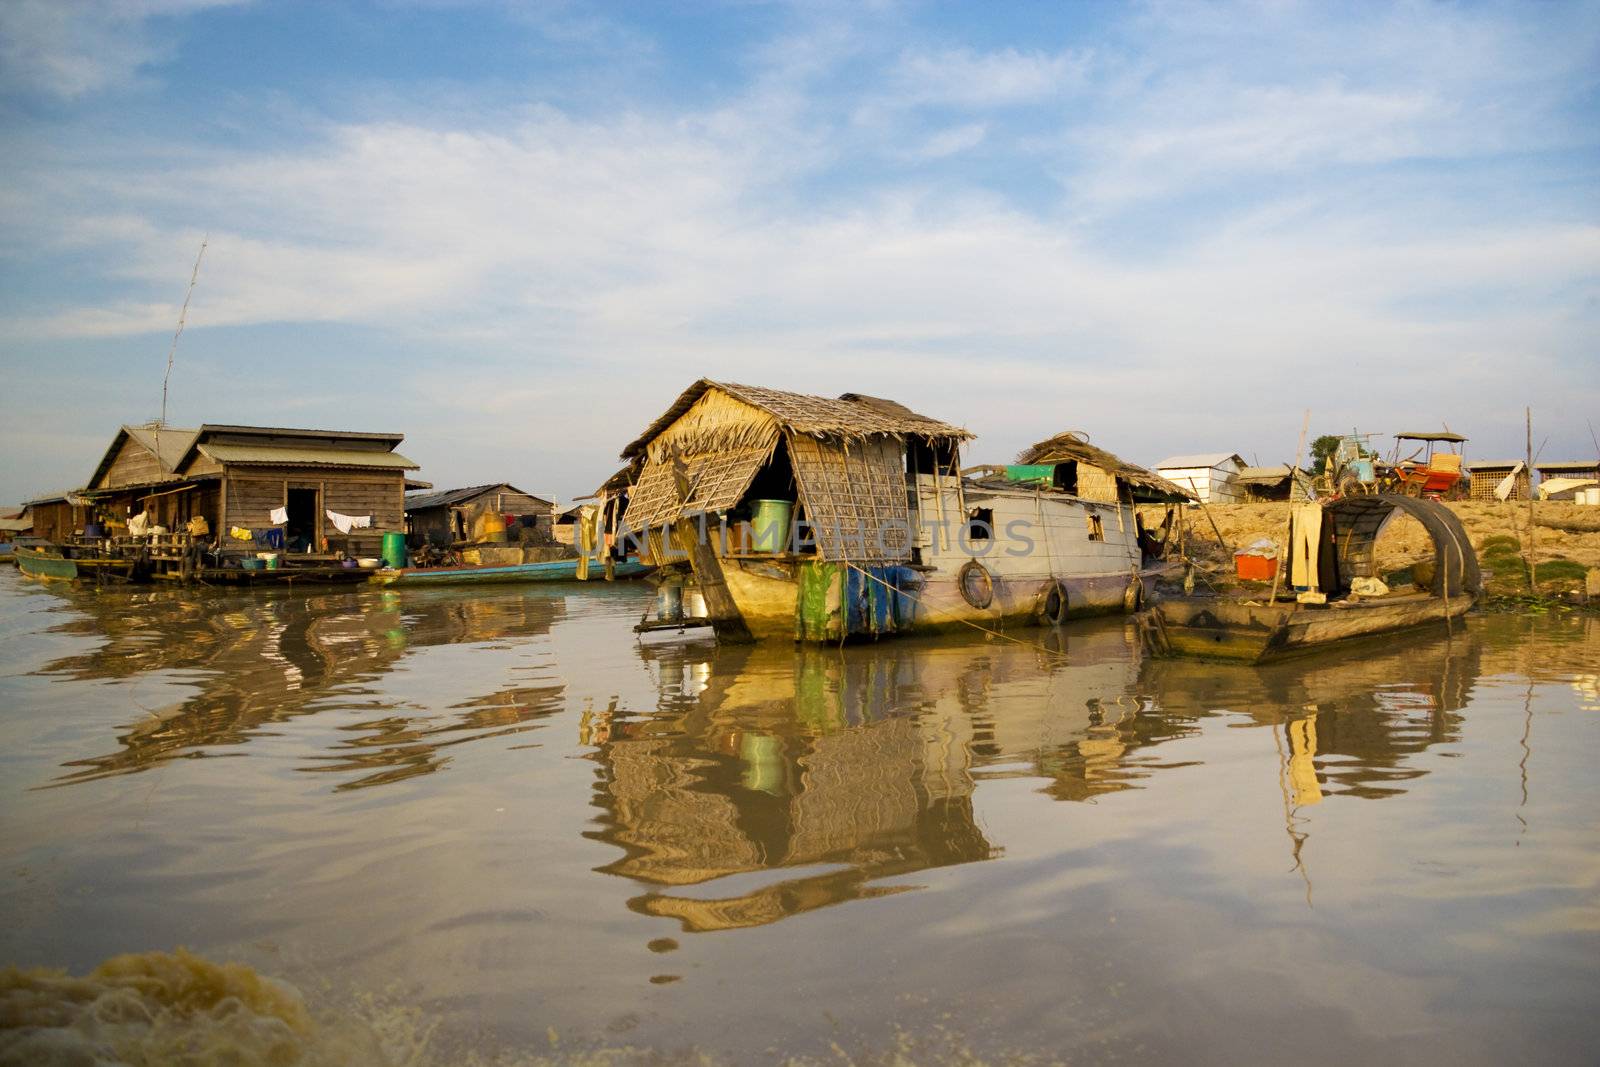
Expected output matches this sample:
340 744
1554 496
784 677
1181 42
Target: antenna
182 315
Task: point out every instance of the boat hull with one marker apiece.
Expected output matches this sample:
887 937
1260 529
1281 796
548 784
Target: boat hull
561 570
1210 628
37 564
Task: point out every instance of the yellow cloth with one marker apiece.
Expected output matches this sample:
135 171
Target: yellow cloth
199 527
1304 547
588 537
239 533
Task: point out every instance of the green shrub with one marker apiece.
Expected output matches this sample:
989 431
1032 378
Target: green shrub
1559 570
1500 544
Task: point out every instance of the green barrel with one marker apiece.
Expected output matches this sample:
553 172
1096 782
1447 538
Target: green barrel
394 549
769 529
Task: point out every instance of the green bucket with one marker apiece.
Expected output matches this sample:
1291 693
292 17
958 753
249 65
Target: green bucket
394 550
769 529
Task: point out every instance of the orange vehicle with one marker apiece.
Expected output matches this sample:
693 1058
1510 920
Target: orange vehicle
1428 471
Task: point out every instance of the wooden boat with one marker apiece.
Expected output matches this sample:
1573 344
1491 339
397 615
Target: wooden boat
561 570
55 564
1218 628
1256 629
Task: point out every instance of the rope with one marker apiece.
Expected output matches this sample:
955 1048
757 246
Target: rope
965 622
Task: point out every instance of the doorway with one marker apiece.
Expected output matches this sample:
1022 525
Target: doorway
304 508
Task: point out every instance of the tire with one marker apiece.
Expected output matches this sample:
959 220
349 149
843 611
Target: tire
975 584
1051 608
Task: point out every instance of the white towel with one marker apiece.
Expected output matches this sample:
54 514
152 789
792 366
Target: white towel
346 523
139 525
279 516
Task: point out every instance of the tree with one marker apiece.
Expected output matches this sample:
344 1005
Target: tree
1321 449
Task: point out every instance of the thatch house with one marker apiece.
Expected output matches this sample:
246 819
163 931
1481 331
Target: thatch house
844 463
1090 473
303 483
451 515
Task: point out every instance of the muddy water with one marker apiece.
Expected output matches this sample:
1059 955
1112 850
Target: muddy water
501 813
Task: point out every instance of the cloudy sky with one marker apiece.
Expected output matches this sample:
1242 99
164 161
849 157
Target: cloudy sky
514 231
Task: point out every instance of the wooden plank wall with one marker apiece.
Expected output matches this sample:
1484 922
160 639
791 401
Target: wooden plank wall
253 493
134 465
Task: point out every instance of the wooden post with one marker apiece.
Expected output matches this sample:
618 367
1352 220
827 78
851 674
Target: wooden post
721 609
1288 523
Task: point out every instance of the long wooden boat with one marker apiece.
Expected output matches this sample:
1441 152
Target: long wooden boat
1218 628
561 570
56 565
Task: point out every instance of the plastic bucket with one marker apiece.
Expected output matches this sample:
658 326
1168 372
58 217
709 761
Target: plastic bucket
394 550
769 529
669 603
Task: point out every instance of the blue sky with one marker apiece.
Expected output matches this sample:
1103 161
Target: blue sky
515 231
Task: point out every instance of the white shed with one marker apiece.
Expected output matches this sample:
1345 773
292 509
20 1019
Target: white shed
1212 477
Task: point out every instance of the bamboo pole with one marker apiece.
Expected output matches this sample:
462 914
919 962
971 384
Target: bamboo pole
1288 522
1531 558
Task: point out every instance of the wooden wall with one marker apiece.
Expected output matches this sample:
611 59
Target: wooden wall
134 465
57 521
1484 483
252 493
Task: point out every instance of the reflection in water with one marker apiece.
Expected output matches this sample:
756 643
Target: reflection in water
777 761
258 661
1114 848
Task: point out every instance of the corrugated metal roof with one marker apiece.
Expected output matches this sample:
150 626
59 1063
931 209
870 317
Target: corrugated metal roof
1264 474
306 457
1569 465
446 497
1492 464
16 525
167 443
1207 459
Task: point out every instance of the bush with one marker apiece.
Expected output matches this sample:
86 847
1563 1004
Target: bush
1500 544
1559 570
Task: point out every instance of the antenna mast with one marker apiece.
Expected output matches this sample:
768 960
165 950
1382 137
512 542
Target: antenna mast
182 315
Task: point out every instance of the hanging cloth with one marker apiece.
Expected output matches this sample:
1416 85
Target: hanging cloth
1304 546
588 537
279 516
345 523
139 525
239 533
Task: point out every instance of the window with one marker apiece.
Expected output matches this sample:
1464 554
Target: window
980 527
1097 531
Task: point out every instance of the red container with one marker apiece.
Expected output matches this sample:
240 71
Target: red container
1255 568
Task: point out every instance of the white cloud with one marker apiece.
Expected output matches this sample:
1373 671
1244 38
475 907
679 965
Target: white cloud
965 78
952 140
70 48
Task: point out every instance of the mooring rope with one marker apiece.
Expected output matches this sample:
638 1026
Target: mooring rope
966 622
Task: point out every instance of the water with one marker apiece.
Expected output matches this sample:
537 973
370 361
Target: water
499 813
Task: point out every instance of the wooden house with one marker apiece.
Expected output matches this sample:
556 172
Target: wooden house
1487 474
57 516
1264 483
452 514
1212 477
304 483
14 523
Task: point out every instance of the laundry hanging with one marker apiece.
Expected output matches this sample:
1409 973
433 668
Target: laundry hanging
279 516
345 523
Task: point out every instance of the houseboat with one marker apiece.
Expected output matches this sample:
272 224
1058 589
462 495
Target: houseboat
821 519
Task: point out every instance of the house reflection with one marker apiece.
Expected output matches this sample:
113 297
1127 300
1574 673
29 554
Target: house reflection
261 660
775 780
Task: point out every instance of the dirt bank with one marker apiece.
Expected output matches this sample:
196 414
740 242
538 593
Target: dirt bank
1497 531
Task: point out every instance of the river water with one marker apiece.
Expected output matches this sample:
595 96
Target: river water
499 811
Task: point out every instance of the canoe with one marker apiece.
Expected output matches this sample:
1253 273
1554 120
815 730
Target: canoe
1215 628
561 570
36 563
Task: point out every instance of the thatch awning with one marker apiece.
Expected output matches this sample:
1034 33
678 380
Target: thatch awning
1072 446
716 483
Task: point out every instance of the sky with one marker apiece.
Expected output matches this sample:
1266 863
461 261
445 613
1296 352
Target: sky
514 232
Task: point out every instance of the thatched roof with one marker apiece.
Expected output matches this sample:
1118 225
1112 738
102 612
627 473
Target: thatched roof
1073 445
851 415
